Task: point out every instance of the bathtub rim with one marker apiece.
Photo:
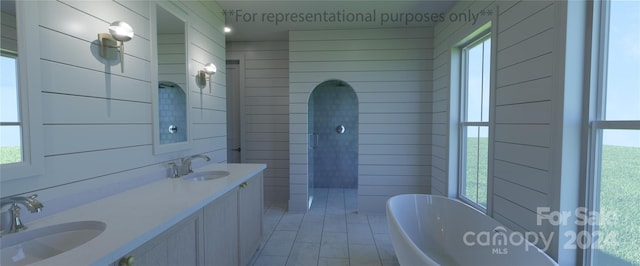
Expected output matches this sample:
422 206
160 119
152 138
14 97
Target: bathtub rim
405 237
414 248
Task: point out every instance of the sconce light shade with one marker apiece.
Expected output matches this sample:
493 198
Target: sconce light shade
205 74
210 69
121 31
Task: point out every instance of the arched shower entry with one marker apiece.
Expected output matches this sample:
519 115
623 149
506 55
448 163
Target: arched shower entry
333 137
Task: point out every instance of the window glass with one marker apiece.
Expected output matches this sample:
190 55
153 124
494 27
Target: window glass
477 150
474 148
10 129
9 90
10 144
618 227
623 68
478 61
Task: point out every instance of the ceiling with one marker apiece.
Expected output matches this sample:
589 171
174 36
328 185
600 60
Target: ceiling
257 20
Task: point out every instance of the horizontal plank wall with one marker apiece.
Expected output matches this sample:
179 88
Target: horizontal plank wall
527 72
390 71
9 39
448 35
97 121
266 103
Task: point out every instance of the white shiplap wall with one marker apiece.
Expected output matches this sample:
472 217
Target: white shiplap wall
266 107
525 72
528 74
171 63
9 39
97 121
390 71
447 35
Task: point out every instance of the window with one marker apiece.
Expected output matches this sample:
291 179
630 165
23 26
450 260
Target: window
615 138
474 121
21 139
10 126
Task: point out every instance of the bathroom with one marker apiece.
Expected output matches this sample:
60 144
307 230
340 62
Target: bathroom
91 119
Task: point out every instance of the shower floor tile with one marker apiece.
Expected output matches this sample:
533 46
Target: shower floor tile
330 233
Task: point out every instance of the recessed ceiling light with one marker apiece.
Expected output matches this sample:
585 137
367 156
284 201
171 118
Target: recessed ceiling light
227 29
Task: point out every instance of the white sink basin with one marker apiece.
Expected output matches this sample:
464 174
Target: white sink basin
206 175
31 246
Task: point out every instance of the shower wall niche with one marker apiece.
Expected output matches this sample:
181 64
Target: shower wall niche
333 129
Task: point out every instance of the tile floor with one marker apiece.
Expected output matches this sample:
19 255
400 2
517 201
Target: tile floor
330 233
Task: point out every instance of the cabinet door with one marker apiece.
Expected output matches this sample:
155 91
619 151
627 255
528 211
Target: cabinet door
152 253
250 217
183 242
221 230
179 245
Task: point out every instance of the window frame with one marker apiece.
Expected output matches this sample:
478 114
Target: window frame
597 122
29 93
463 124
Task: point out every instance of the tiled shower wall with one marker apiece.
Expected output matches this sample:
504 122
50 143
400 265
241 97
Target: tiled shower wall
335 155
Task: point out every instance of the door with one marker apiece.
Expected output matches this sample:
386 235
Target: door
234 148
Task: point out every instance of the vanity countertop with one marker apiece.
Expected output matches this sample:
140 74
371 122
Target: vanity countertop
135 216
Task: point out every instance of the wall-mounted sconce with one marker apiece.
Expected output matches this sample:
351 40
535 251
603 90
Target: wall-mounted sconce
205 74
119 31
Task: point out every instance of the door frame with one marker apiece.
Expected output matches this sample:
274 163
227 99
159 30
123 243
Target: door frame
241 86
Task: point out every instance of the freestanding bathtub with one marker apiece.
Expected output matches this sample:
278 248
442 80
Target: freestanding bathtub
435 230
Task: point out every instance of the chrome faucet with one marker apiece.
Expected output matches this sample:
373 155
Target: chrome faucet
186 163
32 205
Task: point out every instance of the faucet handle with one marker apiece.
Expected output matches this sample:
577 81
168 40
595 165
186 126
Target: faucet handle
186 166
16 223
35 203
189 170
174 170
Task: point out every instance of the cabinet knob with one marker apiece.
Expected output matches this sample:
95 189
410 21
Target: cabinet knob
126 261
244 185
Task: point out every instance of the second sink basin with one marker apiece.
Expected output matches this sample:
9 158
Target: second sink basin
31 246
206 175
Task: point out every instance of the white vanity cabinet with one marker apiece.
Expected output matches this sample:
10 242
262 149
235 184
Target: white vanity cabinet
179 245
250 210
233 224
221 230
227 231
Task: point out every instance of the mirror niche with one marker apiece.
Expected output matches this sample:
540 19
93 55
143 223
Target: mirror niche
171 93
